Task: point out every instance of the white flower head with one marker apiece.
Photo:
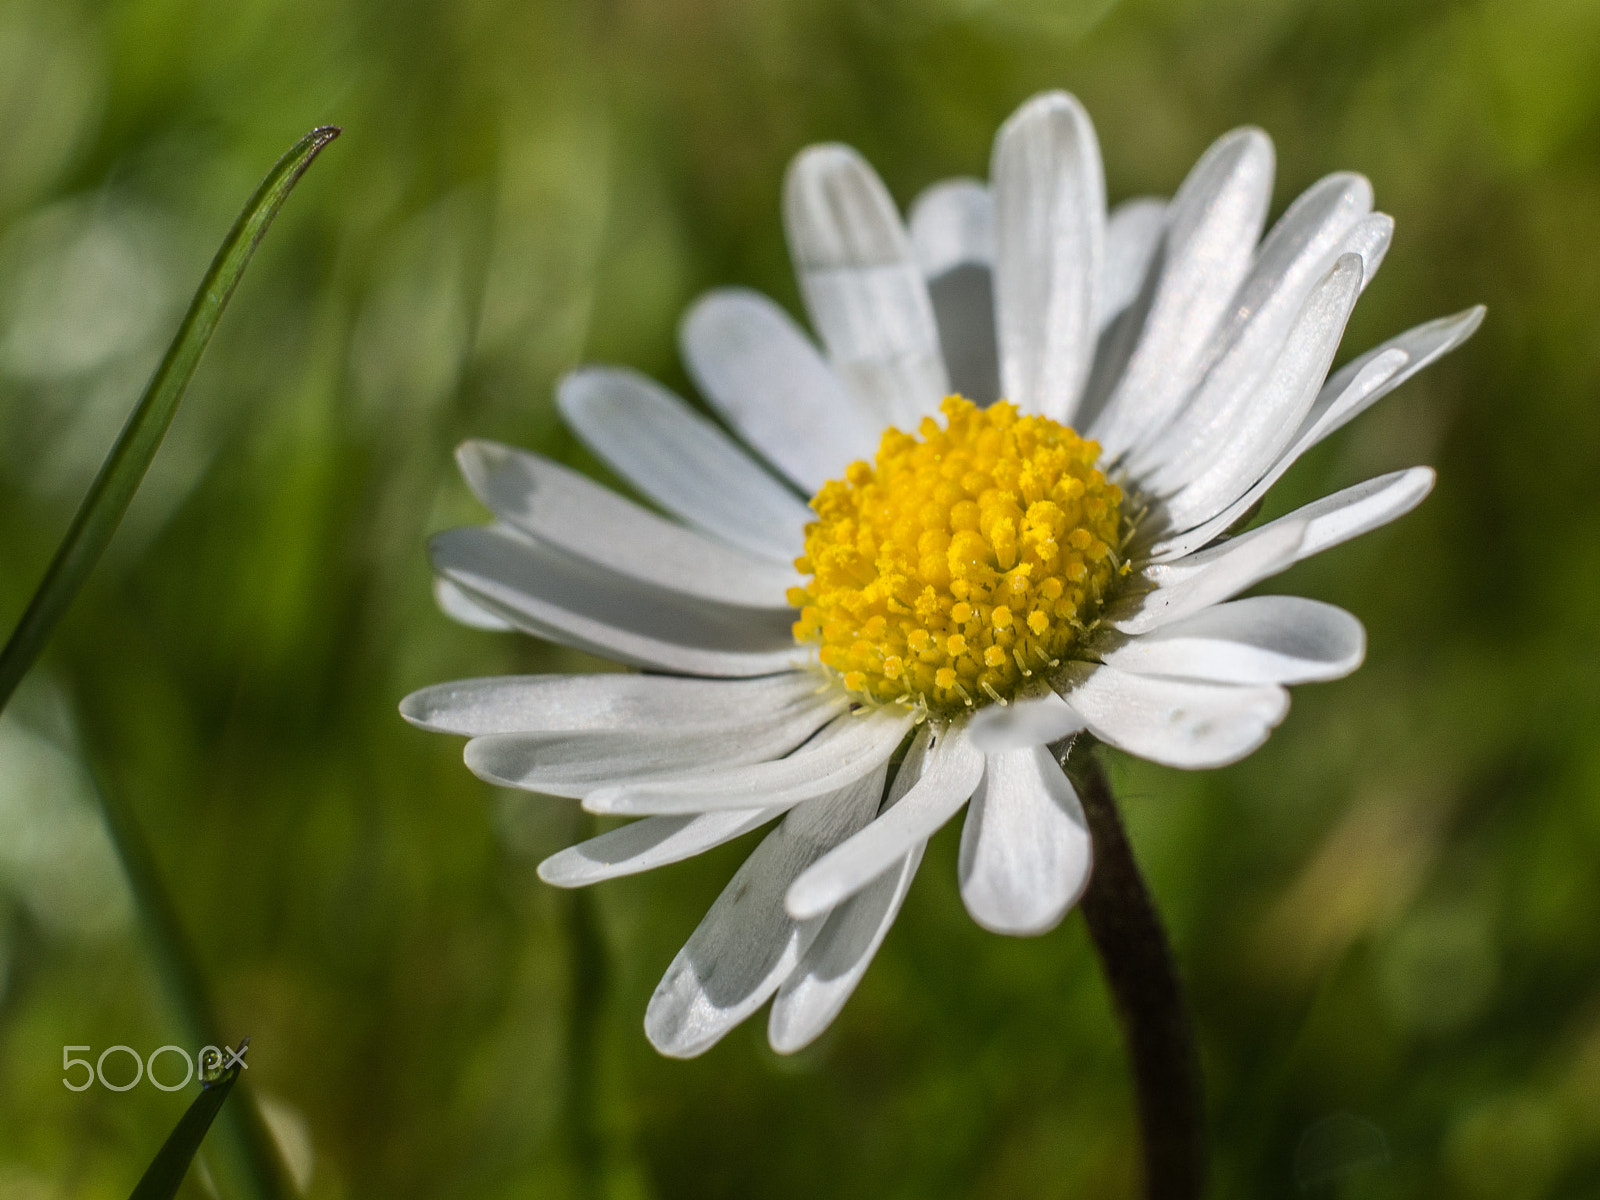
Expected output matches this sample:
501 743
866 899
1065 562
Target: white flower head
974 579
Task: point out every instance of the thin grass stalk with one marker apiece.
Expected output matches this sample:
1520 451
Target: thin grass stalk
164 1176
249 1164
124 468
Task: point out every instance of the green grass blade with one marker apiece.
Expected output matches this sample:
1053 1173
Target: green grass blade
121 473
171 1163
244 1161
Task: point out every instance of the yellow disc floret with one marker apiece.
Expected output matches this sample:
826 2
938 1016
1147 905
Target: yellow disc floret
964 560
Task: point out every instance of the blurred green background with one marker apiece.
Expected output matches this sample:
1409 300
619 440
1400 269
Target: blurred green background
1388 916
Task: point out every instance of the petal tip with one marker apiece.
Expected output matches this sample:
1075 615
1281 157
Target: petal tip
787 1037
607 802
823 157
806 898
669 1043
415 709
1044 105
1031 925
556 870
480 454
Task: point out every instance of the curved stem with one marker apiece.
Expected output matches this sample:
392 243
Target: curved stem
1143 978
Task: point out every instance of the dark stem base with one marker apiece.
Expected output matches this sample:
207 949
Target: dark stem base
1143 978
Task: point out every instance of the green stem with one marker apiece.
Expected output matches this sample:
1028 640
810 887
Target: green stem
1143 977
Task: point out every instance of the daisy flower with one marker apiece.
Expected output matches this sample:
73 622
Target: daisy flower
1026 428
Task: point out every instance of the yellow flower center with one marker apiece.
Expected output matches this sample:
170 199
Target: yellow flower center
962 561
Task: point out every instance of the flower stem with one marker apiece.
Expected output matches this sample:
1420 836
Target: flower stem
1143 978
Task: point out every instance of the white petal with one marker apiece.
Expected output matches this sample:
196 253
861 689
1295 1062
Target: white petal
1324 523
561 508
1340 403
747 944
1034 721
681 460
1299 251
952 232
1133 234
576 764
1050 212
1246 441
963 303
861 284
815 993
615 701
646 844
750 359
1208 578
453 602
1025 849
1352 390
952 225
1370 238
1373 375
953 768
1356 510
834 759
811 997
1212 227
1262 639
1177 722
553 595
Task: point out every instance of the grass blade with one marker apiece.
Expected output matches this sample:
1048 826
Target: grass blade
124 468
245 1160
165 1173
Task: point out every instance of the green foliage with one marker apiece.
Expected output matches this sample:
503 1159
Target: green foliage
120 475
1386 913
166 1171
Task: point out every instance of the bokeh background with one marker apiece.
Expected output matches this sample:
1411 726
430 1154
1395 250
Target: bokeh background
1387 917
